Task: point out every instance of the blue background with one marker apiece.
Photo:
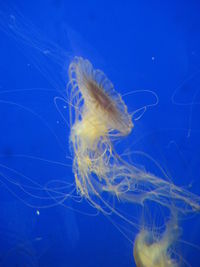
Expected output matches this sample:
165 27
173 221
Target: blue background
140 45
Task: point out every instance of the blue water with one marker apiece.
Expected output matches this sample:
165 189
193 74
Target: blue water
140 45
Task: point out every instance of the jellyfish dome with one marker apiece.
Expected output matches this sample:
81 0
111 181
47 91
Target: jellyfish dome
152 249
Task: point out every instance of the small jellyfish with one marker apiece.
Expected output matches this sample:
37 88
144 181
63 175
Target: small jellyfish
152 249
98 116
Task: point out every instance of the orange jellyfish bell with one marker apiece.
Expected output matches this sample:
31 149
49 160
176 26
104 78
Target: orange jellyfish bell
102 107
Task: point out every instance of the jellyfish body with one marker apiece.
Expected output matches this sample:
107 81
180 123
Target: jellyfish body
99 111
98 116
103 109
152 249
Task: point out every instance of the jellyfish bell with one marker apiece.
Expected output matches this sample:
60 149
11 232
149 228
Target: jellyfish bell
154 249
148 253
102 109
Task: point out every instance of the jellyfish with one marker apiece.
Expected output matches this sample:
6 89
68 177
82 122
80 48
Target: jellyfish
98 117
154 249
